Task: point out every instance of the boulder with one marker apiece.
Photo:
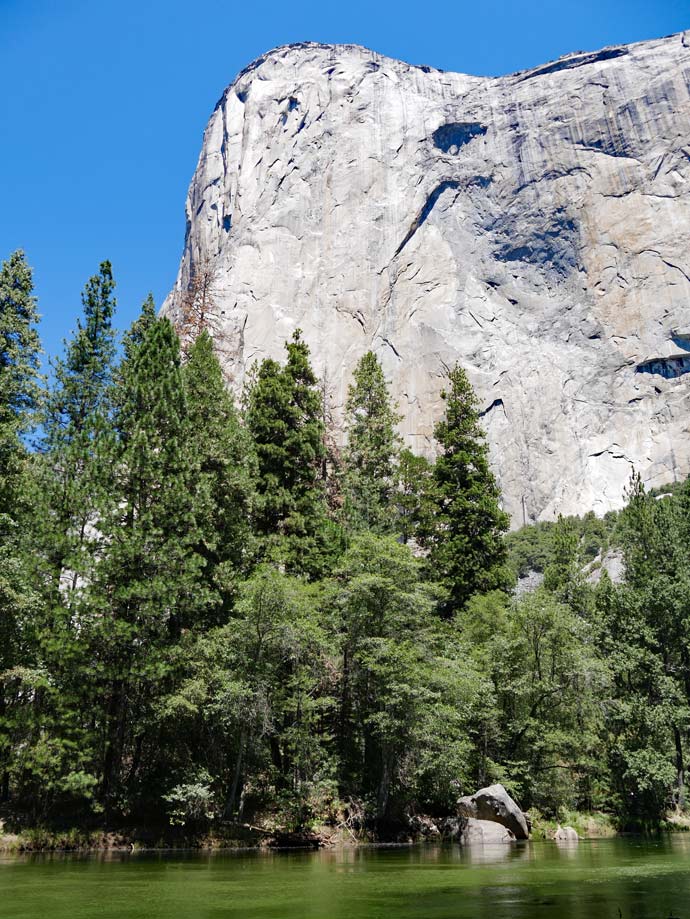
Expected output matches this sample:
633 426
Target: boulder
485 832
453 828
495 804
566 834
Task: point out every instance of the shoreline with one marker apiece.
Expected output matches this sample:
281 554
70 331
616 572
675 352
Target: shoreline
134 841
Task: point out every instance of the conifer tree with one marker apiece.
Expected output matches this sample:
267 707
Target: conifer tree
373 446
224 472
19 398
76 432
19 356
414 497
136 334
154 476
19 404
284 417
468 554
149 585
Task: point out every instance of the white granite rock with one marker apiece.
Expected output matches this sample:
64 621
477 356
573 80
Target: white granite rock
494 803
534 227
485 832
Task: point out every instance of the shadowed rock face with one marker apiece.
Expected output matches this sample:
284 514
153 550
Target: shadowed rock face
534 227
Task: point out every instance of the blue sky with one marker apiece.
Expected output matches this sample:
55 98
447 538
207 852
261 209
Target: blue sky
103 106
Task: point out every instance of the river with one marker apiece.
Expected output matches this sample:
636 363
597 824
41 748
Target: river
597 879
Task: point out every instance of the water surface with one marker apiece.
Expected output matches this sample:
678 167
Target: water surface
596 879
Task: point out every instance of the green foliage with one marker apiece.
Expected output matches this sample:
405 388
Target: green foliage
83 376
192 802
148 585
76 434
251 697
20 600
224 474
468 553
405 691
284 418
645 625
531 548
19 355
586 824
548 681
372 449
414 497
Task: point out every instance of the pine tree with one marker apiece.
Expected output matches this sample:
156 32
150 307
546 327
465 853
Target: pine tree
468 554
19 359
154 476
564 574
76 433
414 497
136 334
284 417
198 310
268 407
19 405
373 446
225 472
148 586
19 402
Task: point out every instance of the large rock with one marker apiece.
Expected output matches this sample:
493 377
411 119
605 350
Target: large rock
566 834
485 832
495 804
533 227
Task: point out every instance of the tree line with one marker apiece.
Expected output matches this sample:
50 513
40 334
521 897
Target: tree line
210 613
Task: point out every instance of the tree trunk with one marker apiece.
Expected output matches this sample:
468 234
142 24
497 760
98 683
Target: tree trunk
680 769
113 751
384 784
230 803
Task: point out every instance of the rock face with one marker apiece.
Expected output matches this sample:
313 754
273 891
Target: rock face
534 227
493 803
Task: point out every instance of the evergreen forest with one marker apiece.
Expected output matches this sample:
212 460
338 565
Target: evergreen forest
213 614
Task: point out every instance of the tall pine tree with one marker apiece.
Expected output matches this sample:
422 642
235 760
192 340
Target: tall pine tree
148 586
373 446
468 554
284 417
19 358
224 474
76 433
19 599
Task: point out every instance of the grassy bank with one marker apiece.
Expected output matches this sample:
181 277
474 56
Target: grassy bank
587 825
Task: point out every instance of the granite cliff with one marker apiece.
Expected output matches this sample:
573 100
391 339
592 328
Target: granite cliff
534 227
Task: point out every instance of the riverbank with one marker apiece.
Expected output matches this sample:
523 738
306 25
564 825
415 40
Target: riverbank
130 839
134 839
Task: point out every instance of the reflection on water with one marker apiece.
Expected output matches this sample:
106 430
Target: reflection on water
568 847
596 879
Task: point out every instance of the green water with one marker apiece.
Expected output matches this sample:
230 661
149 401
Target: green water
595 879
